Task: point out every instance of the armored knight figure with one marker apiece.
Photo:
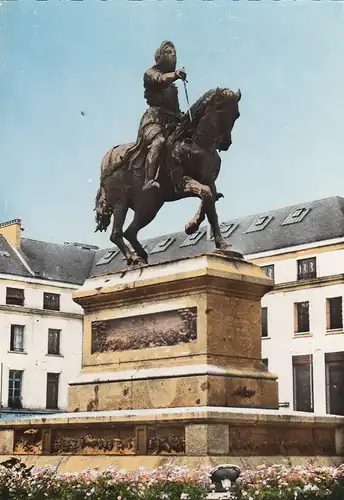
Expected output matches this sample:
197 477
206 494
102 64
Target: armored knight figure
163 114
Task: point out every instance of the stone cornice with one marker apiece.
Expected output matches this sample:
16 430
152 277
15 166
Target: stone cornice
291 286
31 311
214 274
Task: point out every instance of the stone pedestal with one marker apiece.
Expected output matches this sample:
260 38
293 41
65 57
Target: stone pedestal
172 372
179 334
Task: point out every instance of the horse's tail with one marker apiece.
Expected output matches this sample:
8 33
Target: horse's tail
103 210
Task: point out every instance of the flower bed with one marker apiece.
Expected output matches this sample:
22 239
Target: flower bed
162 483
169 483
290 483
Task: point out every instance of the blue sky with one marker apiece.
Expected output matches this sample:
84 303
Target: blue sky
58 58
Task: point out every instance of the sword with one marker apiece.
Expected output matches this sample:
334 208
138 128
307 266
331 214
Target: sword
187 99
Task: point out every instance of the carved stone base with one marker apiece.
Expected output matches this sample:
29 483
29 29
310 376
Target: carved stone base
185 436
181 333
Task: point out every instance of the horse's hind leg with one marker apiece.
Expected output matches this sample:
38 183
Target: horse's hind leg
144 214
120 210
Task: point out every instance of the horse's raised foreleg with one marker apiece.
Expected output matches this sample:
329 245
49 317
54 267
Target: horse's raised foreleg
145 212
120 210
208 197
193 225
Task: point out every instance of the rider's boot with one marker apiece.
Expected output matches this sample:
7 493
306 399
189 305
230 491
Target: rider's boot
150 177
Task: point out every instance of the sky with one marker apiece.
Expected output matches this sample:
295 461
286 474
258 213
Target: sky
61 57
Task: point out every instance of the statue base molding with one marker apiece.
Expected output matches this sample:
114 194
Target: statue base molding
189 436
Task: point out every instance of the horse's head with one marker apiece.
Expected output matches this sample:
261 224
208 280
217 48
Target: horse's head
213 117
226 109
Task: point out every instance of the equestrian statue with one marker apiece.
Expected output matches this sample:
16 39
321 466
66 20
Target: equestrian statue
175 156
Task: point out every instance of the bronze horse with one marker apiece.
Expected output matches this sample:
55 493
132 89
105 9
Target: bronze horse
189 169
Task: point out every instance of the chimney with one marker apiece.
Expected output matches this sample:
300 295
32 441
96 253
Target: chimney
11 231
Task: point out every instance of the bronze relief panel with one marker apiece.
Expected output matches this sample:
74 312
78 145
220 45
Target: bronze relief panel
161 329
166 440
113 441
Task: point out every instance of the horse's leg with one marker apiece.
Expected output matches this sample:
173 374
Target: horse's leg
120 210
144 213
220 242
193 225
208 197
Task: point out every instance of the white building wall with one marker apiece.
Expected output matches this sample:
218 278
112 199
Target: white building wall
282 343
34 361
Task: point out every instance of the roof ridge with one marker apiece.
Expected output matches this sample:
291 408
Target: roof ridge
64 245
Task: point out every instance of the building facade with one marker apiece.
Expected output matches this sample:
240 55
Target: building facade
302 325
40 324
300 247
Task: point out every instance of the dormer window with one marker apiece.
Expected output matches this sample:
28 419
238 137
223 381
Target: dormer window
259 224
226 228
162 245
107 258
192 239
296 216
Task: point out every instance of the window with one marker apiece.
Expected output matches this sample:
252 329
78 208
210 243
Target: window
334 313
302 317
303 383
15 388
264 321
194 238
296 216
259 224
54 341
15 296
334 366
107 257
226 229
306 269
162 245
51 301
17 338
266 362
52 390
269 270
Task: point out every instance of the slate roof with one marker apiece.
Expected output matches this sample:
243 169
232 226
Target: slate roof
10 263
51 261
324 221
73 264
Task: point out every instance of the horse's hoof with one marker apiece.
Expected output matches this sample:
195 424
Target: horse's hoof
136 261
191 227
227 251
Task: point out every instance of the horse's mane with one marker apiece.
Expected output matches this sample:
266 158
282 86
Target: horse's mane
202 102
187 127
